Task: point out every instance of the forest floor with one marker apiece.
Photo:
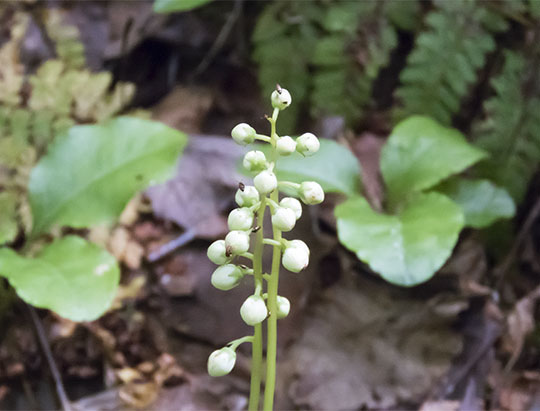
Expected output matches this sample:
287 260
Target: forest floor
352 341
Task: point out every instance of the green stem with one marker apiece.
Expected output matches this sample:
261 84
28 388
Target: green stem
257 345
270 241
273 281
234 344
271 347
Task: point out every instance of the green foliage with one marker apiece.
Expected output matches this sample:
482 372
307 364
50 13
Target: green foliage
171 6
420 153
89 174
69 47
446 58
328 52
334 167
510 130
407 248
71 276
412 241
8 217
482 202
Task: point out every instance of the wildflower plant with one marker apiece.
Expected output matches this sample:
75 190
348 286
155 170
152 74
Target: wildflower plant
246 225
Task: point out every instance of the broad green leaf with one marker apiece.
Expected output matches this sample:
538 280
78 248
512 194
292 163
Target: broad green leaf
406 249
334 167
8 217
72 277
482 201
420 153
171 6
89 174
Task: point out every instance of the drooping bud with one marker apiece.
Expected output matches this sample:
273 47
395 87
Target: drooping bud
307 144
254 310
237 242
284 219
243 134
285 145
247 197
240 219
217 252
265 182
255 160
293 204
311 193
283 307
226 277
221 362
281 98
296 256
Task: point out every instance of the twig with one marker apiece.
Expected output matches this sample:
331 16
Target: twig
60 390
220 39
173 245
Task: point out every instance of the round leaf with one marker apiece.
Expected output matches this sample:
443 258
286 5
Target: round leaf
74 278
420 153
406 249
89 175
482 202
8 217
334 167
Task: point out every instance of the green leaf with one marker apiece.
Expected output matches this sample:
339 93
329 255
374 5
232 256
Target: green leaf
482 202
74 278
406 249
89 174
420 153
334 167
8 217
171 6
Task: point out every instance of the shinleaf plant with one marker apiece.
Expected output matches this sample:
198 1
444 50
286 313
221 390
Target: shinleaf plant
264 304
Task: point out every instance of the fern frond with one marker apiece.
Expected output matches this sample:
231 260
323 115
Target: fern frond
510 130
446 58
66 37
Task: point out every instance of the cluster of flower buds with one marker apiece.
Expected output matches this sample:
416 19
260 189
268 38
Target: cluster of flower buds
295 256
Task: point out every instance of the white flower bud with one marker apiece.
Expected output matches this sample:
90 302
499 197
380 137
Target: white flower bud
281 98
299 244
221 362
243 134
311 192
247 197
226 277
307 144
283 307
293 204
217 252
240 219
255 160
254 310
295 257
285 146
284 219
265 182
237 242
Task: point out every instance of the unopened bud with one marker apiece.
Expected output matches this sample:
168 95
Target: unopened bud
243 134
217 252
284 219
311 192
281 98
226 277
265 182
221 362
247 197
307 144
283 307
293 204
296 256
254 310
285 146
255 160
240 219
237 242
